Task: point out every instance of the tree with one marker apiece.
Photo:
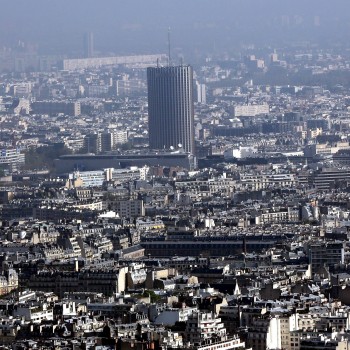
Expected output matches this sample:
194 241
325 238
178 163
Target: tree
150 293
44 156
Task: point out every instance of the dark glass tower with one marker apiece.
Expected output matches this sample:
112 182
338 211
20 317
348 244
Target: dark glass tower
170 107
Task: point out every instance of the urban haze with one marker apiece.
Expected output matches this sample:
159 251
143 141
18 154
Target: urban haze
175 174
138 26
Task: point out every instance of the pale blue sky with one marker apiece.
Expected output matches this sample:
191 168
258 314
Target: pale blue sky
126 26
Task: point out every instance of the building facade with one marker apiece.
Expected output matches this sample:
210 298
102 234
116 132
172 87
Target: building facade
56 107
170 107
89 45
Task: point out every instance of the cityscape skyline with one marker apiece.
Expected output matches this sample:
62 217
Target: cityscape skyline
183 189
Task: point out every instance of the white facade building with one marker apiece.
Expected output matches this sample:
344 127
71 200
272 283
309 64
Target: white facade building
251 110
240 152
96 62
170 316
203 327
11 156
95 178
201 93
34 312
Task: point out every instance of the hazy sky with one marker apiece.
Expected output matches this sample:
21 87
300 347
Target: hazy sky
127 26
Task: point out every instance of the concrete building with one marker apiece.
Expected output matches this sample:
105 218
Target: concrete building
251 110
10 157
240 152
203 327
265 333
170 107
92 143
170 316
130 208
89 45
87 162
125 87
107 281
95 178
200 93
56 107
326 254
328 178
119 137
35 313
97 62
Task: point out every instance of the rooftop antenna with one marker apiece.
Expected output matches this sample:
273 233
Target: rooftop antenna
169 48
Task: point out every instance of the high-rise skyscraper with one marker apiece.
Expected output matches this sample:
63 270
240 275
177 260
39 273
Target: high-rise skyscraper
88 45
200 93
170 107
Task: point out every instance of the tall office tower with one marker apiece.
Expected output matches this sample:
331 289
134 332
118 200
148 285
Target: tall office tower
88 45
170 107
200 93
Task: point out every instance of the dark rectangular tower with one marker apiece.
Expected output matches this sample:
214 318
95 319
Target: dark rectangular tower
170 107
